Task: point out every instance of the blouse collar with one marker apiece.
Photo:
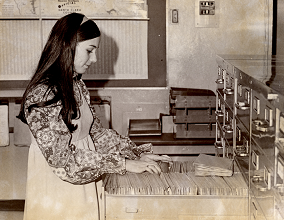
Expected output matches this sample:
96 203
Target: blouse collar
77 76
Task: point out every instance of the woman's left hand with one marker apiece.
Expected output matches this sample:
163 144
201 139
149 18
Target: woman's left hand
154 157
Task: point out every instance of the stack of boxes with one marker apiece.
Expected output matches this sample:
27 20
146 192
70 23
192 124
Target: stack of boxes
194 112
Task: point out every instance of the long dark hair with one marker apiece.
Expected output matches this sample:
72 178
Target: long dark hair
56 65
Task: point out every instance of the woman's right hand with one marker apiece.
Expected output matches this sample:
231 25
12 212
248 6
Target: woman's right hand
139 166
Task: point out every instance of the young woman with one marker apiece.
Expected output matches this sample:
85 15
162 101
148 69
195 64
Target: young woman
70 149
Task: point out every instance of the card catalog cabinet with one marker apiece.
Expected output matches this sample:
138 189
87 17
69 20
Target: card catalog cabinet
250 118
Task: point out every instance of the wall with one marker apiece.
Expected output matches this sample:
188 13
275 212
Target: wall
244 28
191 52
280 28
135 103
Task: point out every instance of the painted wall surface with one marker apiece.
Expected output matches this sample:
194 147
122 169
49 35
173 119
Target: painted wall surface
243 29
280 28
134 103
13 169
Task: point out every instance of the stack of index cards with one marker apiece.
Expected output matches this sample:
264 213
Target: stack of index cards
206 165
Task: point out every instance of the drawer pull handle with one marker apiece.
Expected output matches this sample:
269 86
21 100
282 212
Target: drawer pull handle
219 81
261 125
131 210
241 106
218 145
227 129
241 151
219 113
228 91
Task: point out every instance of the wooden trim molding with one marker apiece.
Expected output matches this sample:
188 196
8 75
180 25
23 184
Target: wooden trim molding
12 205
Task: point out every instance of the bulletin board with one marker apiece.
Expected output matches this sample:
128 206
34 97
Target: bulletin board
156 56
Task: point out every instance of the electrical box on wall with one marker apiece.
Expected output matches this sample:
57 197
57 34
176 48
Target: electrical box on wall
207 13
207 7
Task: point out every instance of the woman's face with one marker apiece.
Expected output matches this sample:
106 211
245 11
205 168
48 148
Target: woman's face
85 54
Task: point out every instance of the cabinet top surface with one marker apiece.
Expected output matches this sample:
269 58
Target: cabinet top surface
268 70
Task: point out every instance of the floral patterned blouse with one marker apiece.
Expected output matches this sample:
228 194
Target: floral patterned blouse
69 163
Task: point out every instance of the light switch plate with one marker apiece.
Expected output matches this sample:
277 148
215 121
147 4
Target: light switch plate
175 15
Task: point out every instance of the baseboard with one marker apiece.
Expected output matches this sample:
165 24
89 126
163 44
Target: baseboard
12 205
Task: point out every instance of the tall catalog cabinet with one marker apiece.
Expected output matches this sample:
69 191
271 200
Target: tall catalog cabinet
250 127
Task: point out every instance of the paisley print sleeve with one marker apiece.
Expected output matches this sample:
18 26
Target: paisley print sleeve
77 166
107 138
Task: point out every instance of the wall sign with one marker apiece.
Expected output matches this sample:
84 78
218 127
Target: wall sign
58 8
